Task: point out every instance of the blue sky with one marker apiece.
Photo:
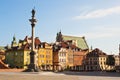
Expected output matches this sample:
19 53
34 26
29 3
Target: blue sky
97 20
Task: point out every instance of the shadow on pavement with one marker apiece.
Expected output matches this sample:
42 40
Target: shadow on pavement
104 74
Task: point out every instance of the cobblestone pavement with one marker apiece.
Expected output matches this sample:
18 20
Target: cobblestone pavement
59 76
11 70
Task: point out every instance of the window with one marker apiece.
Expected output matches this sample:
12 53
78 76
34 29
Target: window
64 60
104 58
42 61
59 60
21 60
50 61
41 56
104 63
64 54
16 53
27 53
21 54
47 61
27 59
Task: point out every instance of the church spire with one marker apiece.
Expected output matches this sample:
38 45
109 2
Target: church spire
91 48
14 38
59 37
14 43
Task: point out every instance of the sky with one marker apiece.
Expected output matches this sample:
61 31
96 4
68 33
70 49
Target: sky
97 20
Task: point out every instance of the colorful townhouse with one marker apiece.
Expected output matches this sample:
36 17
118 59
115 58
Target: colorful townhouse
69 52
45 56
61 59
17 55
96 61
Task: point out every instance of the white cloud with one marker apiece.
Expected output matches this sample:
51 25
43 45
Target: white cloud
97 35
102 32
99 13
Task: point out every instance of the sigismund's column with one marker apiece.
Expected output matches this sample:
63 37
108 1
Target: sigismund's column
32 67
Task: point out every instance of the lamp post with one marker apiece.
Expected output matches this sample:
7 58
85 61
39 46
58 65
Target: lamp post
33 66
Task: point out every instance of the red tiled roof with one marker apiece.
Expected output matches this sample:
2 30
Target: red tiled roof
37 40
64 45
3 65
73 46
96 52
2 53
25 47
99 51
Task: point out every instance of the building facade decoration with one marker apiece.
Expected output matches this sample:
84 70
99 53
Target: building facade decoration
69 52
19 56
96 61
45 56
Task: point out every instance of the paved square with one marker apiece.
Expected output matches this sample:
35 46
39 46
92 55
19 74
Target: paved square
59 76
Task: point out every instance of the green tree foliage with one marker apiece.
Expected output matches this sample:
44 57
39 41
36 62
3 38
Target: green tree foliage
110 60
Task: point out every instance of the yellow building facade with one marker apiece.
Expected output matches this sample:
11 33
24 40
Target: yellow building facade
17 58
45 57
18 54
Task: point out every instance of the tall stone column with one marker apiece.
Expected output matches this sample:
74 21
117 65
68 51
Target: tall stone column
33 66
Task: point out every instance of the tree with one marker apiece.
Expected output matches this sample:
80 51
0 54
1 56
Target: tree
110 60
